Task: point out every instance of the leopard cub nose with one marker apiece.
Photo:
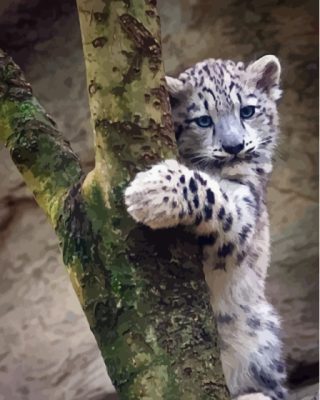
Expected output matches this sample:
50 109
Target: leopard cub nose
233 149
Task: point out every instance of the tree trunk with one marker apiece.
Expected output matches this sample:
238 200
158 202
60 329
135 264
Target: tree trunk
143 291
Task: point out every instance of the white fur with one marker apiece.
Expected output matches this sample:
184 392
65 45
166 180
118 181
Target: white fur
254 396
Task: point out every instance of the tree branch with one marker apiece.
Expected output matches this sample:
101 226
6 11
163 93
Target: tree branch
133 129
44 159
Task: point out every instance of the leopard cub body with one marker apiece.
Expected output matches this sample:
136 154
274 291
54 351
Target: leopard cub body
226 126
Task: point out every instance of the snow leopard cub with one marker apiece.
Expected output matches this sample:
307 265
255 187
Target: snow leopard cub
226 126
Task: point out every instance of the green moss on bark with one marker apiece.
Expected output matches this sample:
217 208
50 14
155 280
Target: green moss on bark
42 156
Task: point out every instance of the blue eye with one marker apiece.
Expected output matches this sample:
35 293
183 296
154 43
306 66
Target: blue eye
204 121
247 112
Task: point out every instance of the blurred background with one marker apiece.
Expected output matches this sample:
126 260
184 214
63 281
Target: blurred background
46 348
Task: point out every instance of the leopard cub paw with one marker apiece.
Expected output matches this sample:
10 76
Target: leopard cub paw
152 199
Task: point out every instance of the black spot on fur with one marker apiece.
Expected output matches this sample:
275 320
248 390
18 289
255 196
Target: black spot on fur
199 178
247 200
168 177
166 199
190 211
174 204
263 377
193 185
207 240
191 107
207 212
182 179
280 395
226 250
243 235
224 195
224 318
221 213
239 213
235 180
227 223
210 196
185 193
174 190
211 92
196 201
206 69
278 366
253 190
255 195
254 322
245 308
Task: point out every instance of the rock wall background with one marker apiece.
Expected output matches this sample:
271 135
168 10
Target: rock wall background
46 348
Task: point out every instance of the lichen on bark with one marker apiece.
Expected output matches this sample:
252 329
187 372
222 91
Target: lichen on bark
143 291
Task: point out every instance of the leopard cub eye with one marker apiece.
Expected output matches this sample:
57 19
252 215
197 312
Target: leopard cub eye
205 121
247 112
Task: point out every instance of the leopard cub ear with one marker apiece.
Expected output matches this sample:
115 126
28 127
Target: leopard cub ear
174 85
265 75
178 89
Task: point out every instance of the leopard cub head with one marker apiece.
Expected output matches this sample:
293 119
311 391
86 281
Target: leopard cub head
225 112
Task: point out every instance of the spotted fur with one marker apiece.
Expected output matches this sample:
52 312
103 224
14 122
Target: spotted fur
219 190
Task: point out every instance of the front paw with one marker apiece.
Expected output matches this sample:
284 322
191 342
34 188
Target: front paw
152 197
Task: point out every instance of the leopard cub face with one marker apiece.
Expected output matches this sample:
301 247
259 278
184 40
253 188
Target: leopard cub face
225 113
